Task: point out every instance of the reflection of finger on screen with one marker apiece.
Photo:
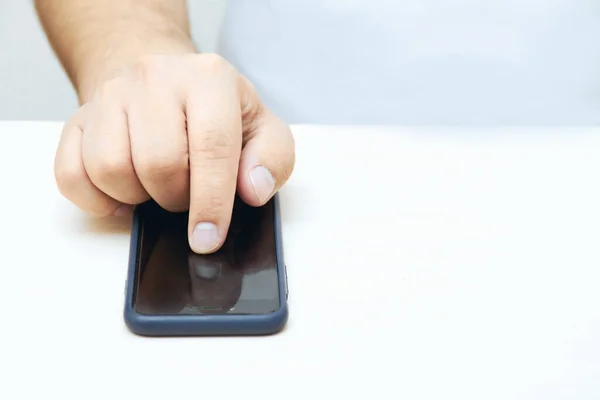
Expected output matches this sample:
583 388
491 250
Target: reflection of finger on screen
203 267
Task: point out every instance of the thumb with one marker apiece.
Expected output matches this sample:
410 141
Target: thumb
267 159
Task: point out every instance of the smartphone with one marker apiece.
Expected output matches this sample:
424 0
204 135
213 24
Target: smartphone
241 289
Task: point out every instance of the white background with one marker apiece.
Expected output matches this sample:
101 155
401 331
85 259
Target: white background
424 264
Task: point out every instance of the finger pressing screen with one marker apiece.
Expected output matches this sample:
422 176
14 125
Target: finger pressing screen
215 141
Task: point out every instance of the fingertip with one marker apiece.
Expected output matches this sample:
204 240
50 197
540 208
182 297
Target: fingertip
205 238
267 161
256 185
262 182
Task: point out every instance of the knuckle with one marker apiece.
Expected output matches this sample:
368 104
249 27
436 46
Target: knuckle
72 125
109 168
162 169
68 178
213 144
150 69
109 90
145 65
213 64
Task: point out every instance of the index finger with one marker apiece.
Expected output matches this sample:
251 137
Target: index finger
214 130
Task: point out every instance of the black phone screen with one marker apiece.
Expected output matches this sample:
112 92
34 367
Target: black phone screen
240 278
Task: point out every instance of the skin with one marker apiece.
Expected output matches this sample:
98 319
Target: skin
158 120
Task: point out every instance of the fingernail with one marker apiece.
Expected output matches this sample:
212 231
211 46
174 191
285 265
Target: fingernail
123 210
263 182
205 237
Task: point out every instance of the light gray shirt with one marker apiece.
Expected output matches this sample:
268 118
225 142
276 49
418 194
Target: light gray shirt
420 61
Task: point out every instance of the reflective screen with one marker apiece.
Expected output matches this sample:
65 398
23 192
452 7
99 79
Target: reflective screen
240 278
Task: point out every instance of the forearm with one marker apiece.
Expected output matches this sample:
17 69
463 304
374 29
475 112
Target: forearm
94 38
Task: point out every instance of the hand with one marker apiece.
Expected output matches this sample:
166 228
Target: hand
185 130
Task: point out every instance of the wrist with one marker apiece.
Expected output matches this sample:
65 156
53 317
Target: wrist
102 64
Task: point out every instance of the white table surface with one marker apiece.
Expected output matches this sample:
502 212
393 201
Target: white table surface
423 264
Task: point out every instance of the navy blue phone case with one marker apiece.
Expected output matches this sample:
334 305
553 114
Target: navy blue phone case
206 325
